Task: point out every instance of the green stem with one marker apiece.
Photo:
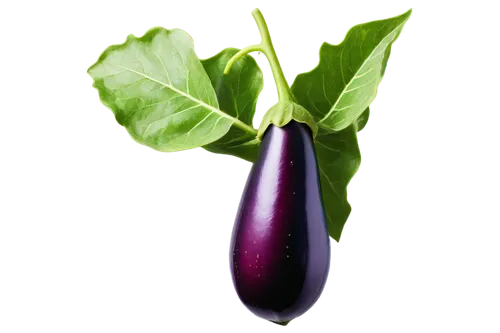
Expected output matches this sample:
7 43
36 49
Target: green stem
240 54
271 53
266 46
244 127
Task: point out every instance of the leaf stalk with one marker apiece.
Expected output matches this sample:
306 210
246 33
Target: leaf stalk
244 127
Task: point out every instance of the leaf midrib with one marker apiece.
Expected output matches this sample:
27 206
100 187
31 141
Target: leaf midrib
238 123
354 75
180 92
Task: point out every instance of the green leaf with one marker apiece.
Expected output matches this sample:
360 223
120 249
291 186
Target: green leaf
158 89
282 113
237 93
346 79
362 120
338 160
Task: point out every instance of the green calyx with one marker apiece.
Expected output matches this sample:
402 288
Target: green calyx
282 113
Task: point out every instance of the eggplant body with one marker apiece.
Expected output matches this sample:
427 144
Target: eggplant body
280 247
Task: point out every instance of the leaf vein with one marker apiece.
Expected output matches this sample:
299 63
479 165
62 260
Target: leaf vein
389 36
169 116
180 92
329 182
329 148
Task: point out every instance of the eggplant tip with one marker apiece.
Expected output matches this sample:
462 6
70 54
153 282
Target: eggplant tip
282 323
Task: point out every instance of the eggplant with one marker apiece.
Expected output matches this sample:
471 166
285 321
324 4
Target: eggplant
280 247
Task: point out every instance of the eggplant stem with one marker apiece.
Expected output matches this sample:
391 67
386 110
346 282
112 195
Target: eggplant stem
268 47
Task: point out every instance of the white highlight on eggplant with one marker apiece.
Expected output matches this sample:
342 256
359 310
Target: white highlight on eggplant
269 178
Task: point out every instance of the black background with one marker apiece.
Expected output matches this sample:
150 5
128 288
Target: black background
151 249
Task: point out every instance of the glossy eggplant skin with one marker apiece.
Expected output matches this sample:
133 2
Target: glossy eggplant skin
280 247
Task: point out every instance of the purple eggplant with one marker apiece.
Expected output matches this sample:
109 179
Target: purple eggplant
280 247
